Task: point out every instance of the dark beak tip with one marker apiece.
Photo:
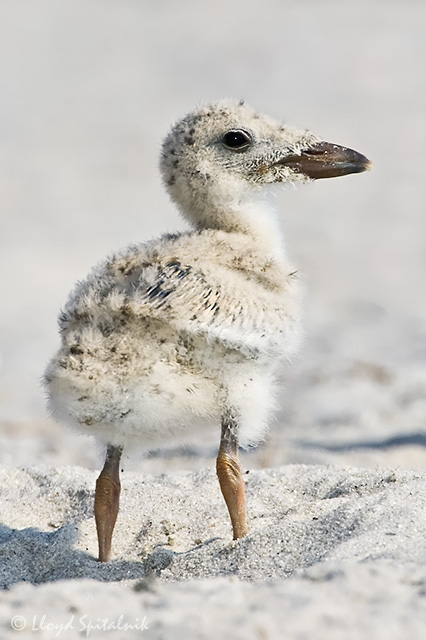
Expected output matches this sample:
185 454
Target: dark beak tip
364 164
357 165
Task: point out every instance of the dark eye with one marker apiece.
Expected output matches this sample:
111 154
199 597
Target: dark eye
237 139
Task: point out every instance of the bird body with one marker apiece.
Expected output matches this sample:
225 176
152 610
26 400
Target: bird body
187 331
162 336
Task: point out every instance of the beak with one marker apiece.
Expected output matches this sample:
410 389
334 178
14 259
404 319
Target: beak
327 160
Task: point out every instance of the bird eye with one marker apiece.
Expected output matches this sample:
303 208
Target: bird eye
237 139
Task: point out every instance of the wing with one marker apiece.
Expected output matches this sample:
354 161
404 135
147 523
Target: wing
205 297
190 298
222 304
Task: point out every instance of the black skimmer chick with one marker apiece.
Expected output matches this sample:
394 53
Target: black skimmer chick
187 331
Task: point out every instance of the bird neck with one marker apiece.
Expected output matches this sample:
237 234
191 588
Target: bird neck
254 216
258 220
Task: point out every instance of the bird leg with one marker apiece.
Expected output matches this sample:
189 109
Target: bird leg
230 477
107 500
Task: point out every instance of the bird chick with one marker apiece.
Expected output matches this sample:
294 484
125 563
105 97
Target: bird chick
186 332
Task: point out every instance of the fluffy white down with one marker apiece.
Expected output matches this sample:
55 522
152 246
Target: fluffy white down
133 369
166 336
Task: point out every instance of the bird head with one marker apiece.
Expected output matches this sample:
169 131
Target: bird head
216 160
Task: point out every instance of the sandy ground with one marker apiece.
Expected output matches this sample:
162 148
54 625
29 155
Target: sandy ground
337 544
339 552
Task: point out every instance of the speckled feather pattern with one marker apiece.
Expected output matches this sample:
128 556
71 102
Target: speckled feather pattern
166 336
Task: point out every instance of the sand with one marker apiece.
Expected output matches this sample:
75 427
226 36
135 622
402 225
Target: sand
330 550
336 498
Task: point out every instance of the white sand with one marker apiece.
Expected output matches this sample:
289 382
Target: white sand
88 89
330 551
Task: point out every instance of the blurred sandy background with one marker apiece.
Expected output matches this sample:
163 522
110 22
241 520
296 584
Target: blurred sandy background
87 91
